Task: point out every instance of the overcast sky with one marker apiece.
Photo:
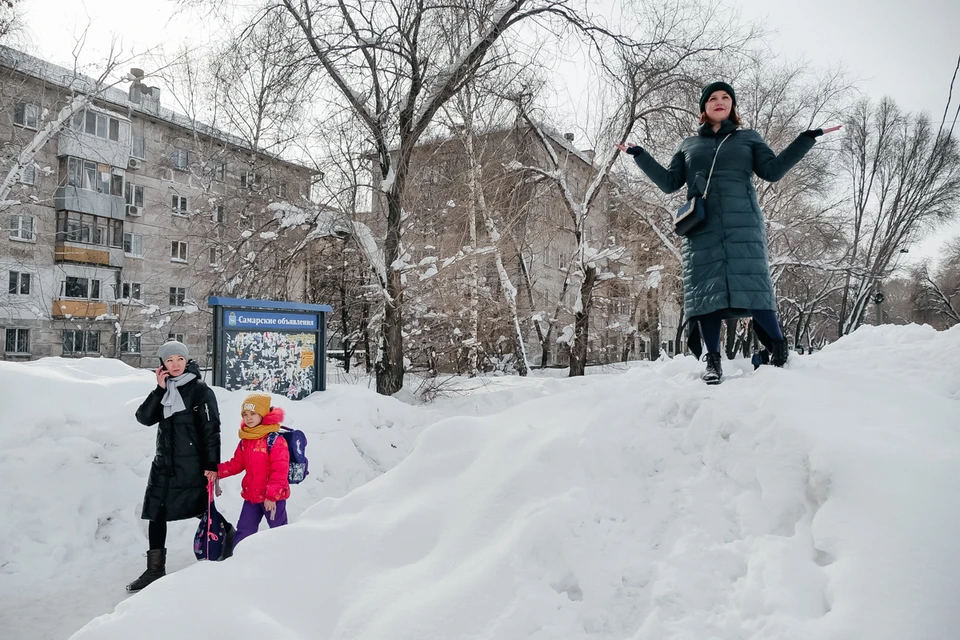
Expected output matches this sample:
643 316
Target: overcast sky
905 49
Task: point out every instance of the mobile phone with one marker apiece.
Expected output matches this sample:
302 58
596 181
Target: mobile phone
162 365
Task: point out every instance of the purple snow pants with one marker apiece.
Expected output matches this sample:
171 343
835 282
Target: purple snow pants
251 515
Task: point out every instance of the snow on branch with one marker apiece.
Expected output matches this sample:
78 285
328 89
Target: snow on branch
28 153
333 224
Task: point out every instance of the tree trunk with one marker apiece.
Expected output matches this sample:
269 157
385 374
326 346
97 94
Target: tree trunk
344 318
389 364
473 281
581 324
730 344
542 338
679 343
509 291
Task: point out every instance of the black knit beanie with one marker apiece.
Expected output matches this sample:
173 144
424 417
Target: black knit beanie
716 86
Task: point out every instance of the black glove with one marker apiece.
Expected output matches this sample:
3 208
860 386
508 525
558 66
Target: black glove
634 151
813 133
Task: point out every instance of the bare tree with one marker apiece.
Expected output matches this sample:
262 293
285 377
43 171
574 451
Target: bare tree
11 19
905 177
646 81
385 60
937 293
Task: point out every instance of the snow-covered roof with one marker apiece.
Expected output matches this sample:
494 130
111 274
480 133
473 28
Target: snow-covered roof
71 79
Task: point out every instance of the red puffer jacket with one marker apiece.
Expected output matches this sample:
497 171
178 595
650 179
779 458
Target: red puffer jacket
266 476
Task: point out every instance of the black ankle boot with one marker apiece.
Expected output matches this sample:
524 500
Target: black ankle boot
714 372
760 358
780 353
156 569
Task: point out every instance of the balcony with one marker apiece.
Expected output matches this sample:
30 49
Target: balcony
103 150
86 254
67 198
89 309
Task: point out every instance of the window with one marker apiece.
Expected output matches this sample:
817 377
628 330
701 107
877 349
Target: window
84 228
26 115
251 180
81 341
17 341
28 175
129 342
133 244
21 227
19 283
180 159
138 147
179 205
216 169
561 260
209 345
216 256
218 213
282 190
131 291
86 174
80 288
178 251
96 124
178 296
670 346
175 336
134 194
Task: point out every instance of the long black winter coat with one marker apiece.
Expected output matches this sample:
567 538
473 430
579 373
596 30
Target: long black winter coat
188 443
725 265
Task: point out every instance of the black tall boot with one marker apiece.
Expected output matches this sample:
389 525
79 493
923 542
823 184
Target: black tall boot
156 569
780 353
714 372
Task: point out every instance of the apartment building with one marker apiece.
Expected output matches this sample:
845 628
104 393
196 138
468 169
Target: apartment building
628 318
127 218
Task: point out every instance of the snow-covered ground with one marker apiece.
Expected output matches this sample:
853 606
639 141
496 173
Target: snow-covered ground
819 501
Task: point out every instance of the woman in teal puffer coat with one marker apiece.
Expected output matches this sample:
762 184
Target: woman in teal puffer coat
726 272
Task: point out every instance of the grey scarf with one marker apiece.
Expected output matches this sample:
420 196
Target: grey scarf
172 401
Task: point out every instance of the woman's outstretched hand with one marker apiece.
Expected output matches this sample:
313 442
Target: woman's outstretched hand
629 148
816 133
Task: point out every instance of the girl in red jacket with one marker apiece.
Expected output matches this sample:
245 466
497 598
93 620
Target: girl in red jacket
264 488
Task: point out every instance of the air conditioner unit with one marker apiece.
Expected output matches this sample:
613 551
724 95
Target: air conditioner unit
133 210
133 164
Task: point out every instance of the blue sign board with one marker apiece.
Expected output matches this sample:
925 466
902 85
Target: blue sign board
267 345
266 321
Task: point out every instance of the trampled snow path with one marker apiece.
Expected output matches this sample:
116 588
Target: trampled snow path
819 501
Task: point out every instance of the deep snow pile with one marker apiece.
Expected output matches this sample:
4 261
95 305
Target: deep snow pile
73 466
819 501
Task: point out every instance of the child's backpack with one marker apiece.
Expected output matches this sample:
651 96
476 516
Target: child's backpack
297 445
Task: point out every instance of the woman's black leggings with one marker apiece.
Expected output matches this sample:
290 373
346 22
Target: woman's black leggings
157 531
710 327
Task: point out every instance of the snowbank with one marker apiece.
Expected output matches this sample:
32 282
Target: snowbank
74 463
820 501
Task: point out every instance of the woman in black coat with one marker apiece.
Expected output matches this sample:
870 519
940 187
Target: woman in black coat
726 270
188 451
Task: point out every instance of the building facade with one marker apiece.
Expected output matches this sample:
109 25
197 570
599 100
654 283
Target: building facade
125 219
631 311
